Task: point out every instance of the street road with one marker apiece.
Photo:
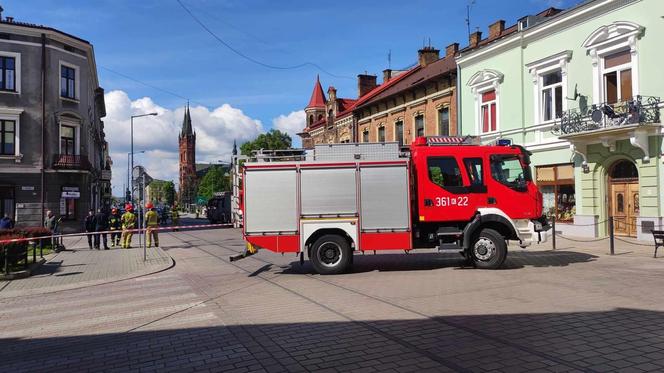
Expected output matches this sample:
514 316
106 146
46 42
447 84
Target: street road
575 309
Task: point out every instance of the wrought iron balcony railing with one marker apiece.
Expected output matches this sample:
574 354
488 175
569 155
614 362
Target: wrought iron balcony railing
71 162
640 110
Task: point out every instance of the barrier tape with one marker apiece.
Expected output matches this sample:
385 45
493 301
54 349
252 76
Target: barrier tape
136 230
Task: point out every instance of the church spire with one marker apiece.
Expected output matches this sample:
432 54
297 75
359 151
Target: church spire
317 96
234 147
186 123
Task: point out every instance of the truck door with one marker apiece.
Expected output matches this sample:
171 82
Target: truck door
445 190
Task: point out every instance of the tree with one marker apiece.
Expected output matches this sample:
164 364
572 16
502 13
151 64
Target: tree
214 180
162 191
169 193
272 140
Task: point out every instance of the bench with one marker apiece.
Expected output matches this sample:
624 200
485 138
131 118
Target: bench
659 240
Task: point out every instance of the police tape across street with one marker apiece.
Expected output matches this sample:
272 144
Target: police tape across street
135 230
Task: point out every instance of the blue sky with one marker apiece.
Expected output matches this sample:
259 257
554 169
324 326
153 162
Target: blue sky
157 42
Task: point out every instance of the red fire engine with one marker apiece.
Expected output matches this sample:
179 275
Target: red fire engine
447 193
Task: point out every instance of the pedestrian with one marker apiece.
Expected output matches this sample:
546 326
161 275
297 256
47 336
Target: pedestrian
115 226
90 227
152 225
101 225
175 217
6 222
128 221
49 221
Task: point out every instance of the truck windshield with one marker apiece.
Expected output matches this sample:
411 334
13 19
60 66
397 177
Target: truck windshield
510 170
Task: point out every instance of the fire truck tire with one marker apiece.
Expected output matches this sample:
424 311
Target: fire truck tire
330 255
489 249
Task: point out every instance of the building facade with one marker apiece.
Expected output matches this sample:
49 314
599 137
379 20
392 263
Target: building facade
420 101
187 148
53 151
581 90
417 102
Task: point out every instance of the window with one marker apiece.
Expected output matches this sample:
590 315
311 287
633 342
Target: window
419 125
510 170
474 170
69 210
444 121
67 140
488 111
7 201
67 82
365 136
381 134
7 73
552 95
618 77
398 132
7 137
444 171
557 186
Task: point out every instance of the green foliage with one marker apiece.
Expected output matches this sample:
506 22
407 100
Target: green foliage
214 181
162 192
272 140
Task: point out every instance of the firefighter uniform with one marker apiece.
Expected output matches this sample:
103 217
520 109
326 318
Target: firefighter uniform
175 216
128 221
115 226
152 223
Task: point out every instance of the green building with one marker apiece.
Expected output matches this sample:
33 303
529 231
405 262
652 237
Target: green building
580 88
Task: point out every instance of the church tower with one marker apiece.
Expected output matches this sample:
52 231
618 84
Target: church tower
187 140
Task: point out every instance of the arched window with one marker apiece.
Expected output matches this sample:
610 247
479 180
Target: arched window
311 119
320 116
624 170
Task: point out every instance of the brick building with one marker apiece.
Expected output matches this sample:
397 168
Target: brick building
422 98
187 148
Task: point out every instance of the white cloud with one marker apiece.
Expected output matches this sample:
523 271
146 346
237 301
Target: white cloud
292 124
158 135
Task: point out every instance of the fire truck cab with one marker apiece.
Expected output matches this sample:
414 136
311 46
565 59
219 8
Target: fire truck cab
445 193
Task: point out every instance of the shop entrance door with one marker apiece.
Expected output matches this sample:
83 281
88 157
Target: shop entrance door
624 198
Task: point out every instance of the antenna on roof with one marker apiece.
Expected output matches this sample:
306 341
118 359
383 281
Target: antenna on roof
429 42
468 7
389 59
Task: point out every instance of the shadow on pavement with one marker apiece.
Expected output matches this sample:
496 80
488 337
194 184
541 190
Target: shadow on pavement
431 261
578 341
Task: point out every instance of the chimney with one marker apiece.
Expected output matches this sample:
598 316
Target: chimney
427 55
475 38
9 19
1 10
331 93
496 28
452 50
365 83
387 75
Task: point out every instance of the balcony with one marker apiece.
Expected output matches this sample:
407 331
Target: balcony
71 162
642 110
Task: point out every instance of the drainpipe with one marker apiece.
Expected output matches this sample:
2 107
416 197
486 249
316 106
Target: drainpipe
458 94
523 99
43 127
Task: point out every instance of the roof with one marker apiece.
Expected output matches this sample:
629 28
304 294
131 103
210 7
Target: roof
41 27
410 79
317 99
546 13
187 128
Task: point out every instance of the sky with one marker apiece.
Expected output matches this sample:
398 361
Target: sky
171 59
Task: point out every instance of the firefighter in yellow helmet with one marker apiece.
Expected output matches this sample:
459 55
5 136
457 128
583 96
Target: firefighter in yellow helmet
128 221
175 216
151 223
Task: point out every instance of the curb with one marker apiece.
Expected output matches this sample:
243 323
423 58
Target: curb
23 273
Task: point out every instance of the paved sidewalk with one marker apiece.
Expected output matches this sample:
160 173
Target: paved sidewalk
78 266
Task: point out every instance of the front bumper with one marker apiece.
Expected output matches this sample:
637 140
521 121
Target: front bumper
532 231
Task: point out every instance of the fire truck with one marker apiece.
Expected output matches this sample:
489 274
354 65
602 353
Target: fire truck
450 194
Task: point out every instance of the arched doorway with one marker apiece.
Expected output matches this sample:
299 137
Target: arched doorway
624 197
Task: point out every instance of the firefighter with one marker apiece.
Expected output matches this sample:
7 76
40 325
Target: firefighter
115 226
128 220
175 216
151 223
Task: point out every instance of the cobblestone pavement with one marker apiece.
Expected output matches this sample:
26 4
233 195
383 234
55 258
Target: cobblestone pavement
78 266
573 309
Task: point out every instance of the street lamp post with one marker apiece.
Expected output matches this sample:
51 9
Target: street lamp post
132 150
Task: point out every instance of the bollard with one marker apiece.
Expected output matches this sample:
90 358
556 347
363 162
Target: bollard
41 248
611 242
553 231
34 253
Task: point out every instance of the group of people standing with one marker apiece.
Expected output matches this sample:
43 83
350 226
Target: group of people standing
121 227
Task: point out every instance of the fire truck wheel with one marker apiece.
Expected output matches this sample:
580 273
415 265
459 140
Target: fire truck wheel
489 249
330 255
